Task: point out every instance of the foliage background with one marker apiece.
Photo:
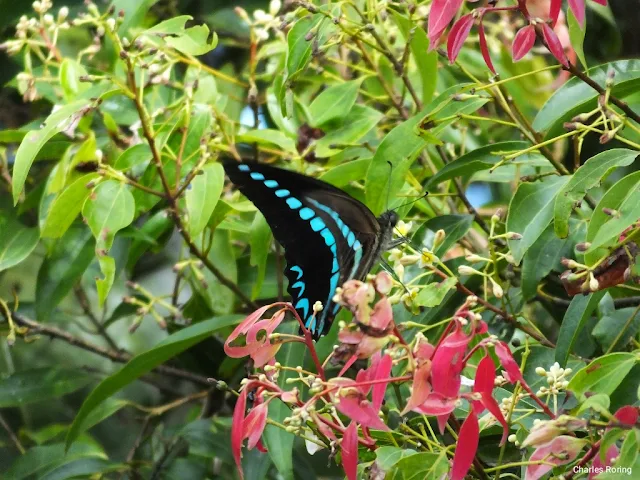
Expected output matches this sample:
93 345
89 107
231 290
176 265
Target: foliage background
53 379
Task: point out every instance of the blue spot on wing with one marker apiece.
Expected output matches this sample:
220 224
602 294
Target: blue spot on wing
257 176
283 192
270 183
299 285
306 213
329 239
243 168
293 203
351 238
297 269
317 224
303 304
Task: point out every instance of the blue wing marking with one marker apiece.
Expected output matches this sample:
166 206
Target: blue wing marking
243 168
270 183
297 269
306 213
283 192
257 176
317 224
294 203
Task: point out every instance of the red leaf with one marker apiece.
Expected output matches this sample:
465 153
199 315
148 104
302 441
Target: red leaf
447 364
508 363
382 373
485 375
350 451
458 34
578 7
237 430
554 11
601 2
466 447
627 415
554 45
442 12
421 387
523 42
485 50
560 451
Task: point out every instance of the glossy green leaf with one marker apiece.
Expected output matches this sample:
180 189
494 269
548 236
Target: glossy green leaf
426 61
612 199
66 207
576 35
155 227
576 97
575 318
39 460
144 363
482 158
41 384
69 74
387 457
172 26
423 466
194 41
62 269
202 195
433 294
592 173
628 214
541 258
356 125
134 156
599 403
268 136
619 326
345 173
299 48
134 13
260 241
278 442
603 375
16 242
334 103
530 211
80 468
59 120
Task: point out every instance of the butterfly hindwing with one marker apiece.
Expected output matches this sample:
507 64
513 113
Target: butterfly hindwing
328 236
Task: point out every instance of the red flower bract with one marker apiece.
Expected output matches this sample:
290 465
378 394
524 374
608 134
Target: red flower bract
466 447
458 34
350 451
442 12
523 42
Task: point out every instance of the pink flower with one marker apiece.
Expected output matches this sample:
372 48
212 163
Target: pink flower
600 465
560 451
448 363
512 369
259 349
349 446
466 447
627 415
484 384
421 386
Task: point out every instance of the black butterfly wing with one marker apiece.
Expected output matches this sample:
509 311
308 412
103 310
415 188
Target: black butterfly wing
328 236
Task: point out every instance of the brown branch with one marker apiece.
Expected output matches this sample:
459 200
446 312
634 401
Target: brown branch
81 296
12 435
114 356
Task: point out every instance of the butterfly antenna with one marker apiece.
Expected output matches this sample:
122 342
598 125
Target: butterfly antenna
413 201
389 183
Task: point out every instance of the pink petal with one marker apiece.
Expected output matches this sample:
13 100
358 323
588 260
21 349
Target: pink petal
264 354
383 282
360 410
484 381
349 446
490 404
458 34
237 430
254 424
466 448
523 42
627 415
554 45
508 363
447 364
383 372
554 11
600 466
382 314
560 451
436 404
242 329
578 8
442 12
421 386
485 51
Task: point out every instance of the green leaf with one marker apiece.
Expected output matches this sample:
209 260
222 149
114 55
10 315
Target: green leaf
541 258
144 363
203 195
134 156
421 466
576 35
172 26
66 207
592 173
433 294
69 74
345 173
530 211
603 375
16 242
356 125
80 468
37 385
194 41
576 97
426 61
628 214
482 158
611 199
134 13
42 459
62 268
619 326
579 311
455 227
387 457
599 403
278 442
64 117
298 47
268 136
260 241
334 103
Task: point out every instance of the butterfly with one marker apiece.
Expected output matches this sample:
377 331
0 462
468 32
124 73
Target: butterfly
328 236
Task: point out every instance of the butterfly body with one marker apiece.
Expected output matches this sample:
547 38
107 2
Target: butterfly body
328 236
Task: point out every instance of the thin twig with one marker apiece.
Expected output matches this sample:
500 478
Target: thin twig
12 436
81 296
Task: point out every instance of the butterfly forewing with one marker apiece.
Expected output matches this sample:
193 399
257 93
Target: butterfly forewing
328 236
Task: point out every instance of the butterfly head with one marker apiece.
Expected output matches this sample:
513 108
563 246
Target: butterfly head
388 220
